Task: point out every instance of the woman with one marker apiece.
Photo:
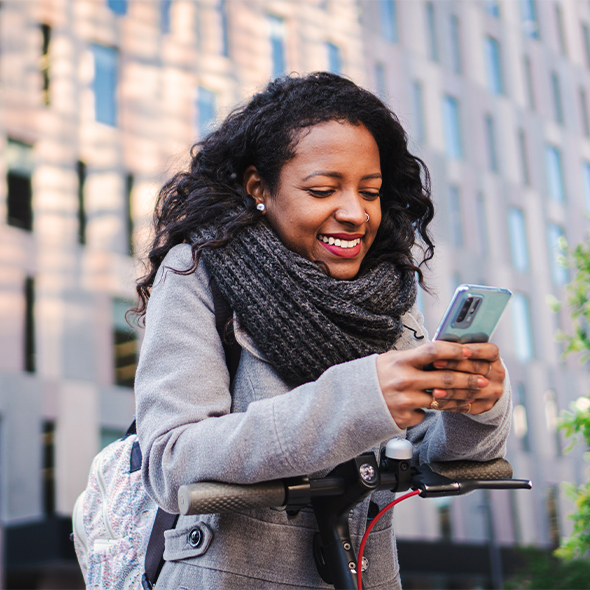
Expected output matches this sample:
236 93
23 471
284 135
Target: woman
303 207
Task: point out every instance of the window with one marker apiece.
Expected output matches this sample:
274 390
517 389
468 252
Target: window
165 6
207 110
82 220
431 32
586 185
225 29
528 77
555 174
491 141
48 467
129 181
110 435
334 58
29 364
452 125
388 15
118 6
521 328
518 239
560 29
519 417
419 112
381 81
586 40
492 7
559 273
44 62
455 39
557 103
528 13
455 217
277 45
553 514
106 74
552 419
493 65
444 518
584 111
125 345
482 225
524 157
19 164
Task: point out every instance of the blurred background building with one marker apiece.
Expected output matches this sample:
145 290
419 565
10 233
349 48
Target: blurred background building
100 101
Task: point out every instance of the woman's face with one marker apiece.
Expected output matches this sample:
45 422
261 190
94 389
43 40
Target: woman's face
325 193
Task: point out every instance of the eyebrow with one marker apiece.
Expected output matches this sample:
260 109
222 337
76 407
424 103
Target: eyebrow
339 175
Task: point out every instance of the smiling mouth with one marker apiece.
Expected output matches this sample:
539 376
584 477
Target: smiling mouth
341 247
338 242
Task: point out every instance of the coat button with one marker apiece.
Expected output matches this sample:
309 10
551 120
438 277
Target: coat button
195 537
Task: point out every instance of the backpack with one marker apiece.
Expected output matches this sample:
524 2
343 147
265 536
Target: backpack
118 530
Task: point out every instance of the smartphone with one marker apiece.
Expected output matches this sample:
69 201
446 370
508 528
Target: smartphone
473 314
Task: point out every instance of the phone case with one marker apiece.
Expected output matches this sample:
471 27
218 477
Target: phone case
490 303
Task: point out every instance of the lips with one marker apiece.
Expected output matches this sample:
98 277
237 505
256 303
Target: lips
341 245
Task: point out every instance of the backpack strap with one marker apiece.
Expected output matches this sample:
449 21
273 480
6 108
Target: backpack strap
154 558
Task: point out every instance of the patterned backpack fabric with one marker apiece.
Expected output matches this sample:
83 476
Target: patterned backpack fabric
118 528
117 519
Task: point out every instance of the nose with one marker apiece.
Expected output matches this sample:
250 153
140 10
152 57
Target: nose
351 210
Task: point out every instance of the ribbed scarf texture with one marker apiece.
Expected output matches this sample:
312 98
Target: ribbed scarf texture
301 319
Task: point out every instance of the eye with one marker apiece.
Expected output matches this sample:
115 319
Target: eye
321 194
370 195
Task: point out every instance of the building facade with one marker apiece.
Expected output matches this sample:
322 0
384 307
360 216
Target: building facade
100 101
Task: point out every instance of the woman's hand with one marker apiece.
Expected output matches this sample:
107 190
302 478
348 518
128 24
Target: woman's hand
456 383
485 361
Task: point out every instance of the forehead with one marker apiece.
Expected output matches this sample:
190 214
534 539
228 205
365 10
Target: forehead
336 141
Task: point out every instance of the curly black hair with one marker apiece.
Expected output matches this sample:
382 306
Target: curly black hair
264 132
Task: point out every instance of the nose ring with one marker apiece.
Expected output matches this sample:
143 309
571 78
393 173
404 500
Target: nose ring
367 220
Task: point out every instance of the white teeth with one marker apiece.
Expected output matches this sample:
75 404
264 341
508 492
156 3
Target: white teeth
338 242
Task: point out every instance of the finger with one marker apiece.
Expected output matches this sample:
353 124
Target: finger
443 379
479 367
438 350
484 351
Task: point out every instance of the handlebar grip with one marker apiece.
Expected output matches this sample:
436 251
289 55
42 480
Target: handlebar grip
212 497
465 470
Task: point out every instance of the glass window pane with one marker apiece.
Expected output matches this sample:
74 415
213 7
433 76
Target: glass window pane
482 226
491 141
224 28
125 345
455 217
518 239
381 81
419 112
520 422
493 65
530 23
557 103
277 45
530 88
431 31
586 39
452 127
334 58
106 74
388 14
118 6
524 158
559 273
165 15
584 111
206 104
521 327
555 174
560 29
455 40
19 172
493 7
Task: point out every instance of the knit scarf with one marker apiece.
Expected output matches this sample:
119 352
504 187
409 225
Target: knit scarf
301 319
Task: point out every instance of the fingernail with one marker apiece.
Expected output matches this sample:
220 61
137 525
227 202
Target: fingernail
440 364
482 382
439 393
467 352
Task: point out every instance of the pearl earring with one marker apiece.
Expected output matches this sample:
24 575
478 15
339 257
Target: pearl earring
261 206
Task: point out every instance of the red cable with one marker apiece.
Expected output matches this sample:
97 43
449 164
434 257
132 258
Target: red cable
370 528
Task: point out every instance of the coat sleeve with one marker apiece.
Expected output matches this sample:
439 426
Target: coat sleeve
186 428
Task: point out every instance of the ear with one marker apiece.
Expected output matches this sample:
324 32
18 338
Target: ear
254 186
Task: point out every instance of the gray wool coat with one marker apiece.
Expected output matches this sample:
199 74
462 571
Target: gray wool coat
192 428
